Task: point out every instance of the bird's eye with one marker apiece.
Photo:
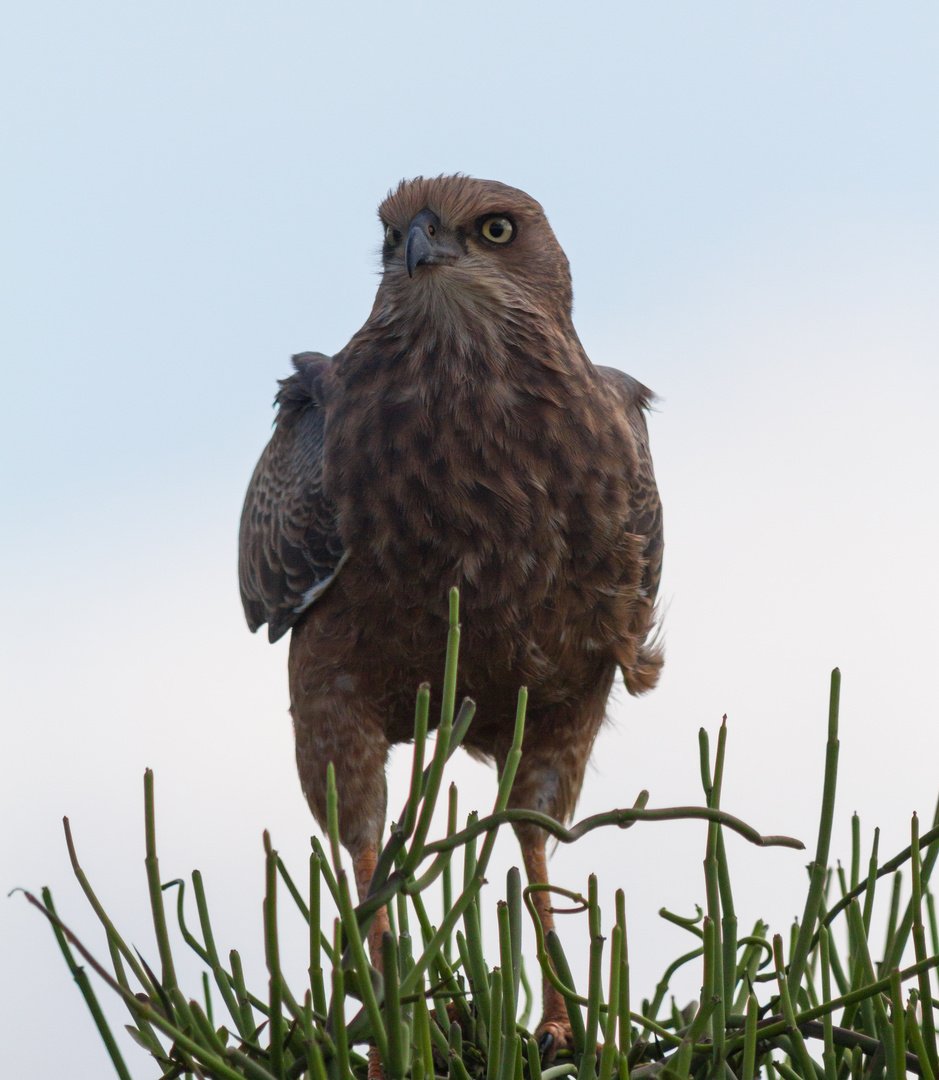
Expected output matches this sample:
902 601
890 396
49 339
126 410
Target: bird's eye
498 230
392 235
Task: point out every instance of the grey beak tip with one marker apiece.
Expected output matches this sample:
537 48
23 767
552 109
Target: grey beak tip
419 247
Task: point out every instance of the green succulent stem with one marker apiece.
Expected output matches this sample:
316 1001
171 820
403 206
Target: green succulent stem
437 1006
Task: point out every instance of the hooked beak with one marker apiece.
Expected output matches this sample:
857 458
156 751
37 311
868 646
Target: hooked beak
427 246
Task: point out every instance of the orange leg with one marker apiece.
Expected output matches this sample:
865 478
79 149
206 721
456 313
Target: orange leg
554 1031
549 778
364 863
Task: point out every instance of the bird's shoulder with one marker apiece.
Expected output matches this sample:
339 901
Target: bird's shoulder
306 387
629 393
631 400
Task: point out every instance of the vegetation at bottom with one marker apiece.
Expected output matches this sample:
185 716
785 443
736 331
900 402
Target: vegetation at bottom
812 1003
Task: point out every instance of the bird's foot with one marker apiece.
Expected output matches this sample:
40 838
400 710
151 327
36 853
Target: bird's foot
552 1036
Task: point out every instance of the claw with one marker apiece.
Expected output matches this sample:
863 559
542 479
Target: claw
552 1036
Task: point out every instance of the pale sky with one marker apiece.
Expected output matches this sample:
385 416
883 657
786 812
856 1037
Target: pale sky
747 194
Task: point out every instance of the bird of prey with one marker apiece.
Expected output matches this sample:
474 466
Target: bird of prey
463 438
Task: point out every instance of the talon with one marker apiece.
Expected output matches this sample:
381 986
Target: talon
552 1036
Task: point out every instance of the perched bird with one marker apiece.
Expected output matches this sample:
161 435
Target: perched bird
464 438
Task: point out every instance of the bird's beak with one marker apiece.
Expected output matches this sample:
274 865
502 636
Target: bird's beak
427 245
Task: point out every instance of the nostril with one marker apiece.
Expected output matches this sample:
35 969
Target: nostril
431 231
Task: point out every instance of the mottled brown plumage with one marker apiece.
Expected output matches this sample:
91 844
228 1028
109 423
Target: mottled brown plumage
464 438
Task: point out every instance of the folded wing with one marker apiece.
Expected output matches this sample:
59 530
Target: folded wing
289 549
640 654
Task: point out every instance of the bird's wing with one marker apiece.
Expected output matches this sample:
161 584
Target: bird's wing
645 523
289 548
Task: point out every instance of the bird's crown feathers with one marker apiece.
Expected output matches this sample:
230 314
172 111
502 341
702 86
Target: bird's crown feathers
457 200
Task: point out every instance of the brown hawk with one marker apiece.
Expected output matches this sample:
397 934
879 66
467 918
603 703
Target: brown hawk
464 438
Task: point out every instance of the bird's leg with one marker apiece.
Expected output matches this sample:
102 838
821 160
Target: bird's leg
554 1031
364 862
358 753
337 730
549 778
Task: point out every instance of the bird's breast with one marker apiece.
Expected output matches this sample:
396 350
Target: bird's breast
487 486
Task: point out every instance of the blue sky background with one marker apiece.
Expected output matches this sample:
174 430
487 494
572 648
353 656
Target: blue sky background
747 194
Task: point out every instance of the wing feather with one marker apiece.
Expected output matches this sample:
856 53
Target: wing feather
289 548
641 662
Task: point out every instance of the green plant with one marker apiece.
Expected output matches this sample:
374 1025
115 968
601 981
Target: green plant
441 1009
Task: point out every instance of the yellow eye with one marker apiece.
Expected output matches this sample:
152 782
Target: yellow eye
392 235
498 230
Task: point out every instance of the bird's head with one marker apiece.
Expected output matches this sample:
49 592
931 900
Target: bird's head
457 244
